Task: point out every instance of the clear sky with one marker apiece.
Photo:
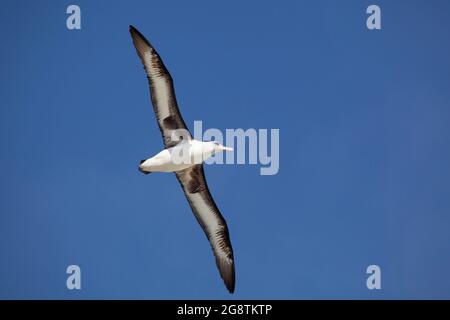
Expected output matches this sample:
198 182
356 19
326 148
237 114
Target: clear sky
364 119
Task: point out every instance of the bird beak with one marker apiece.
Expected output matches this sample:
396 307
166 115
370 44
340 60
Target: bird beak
227 149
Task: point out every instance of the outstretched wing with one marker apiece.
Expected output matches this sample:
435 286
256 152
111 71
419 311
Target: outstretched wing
161 91
208 215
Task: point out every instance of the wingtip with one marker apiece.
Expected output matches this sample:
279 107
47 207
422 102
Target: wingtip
132 29
230 286
229 280
136 34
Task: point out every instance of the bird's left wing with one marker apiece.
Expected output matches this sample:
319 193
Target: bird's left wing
161 91
208 215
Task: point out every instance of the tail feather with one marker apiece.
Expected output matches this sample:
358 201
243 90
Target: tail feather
142 170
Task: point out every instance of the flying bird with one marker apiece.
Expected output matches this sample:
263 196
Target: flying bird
184 155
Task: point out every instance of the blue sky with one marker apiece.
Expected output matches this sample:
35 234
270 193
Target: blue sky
364 149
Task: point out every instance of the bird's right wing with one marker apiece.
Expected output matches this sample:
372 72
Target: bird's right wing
208 215
161 91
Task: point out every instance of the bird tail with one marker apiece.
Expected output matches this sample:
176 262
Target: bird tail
142 170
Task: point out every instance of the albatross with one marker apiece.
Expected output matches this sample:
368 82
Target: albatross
184 156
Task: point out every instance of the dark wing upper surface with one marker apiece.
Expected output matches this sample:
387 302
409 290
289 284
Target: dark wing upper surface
161 89
208 215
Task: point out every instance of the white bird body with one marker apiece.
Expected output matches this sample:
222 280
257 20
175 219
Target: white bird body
182 156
